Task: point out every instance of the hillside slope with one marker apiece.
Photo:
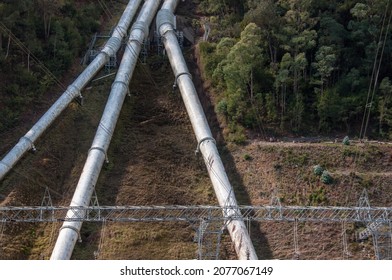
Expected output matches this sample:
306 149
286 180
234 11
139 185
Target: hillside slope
152 162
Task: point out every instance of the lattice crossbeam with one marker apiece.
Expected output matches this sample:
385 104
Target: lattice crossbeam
194 213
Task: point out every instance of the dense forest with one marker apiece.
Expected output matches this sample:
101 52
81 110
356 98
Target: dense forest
276 66
39 41
300 66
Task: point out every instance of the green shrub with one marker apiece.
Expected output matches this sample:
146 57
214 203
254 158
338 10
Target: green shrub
247 157
206 48
221 108
346 141
318 196
326 178
236 134
318 170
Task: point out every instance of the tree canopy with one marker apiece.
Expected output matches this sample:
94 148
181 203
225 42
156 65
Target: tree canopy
55 32
302 66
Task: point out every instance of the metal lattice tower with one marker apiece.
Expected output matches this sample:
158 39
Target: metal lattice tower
382 241
275 201
208 237
144 50
89 56
180 213
296 254
111 64
377 228
94 200
47 199
212 227
346 252
2 229
158 43
92 53
210 222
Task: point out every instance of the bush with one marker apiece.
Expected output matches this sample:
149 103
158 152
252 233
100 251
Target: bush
326 178
70 28
318 170
317 197
247 157
221 108
346 141
8 118
206 48
236 134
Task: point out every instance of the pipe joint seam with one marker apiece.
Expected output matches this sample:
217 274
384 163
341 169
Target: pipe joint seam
101 150
121 83
111 46
74 229
208 138
105 53
32 146
73 91
165 17
142 26
136 40
181 74
121 30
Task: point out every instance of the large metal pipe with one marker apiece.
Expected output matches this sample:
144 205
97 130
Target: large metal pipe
70 230
206 143
74 90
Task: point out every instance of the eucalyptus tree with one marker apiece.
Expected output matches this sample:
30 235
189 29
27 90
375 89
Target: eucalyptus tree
325 64
298 38
238 70
385 106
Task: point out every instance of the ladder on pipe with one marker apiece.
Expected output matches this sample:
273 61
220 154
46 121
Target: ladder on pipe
180 38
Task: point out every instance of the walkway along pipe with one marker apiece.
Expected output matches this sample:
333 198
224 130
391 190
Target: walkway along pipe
70 231
74 90
206 143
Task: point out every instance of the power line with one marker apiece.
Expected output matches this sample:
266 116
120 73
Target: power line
30 54
372 85
378 70
105 8
375 73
